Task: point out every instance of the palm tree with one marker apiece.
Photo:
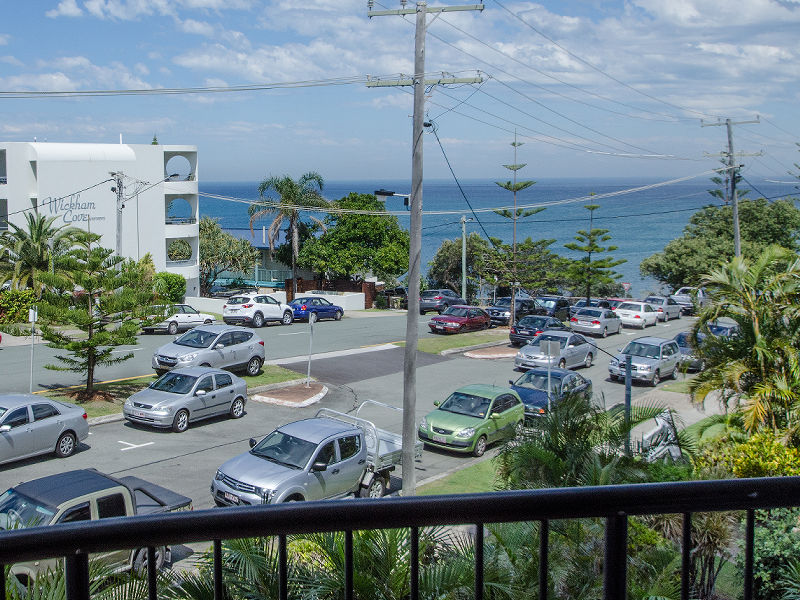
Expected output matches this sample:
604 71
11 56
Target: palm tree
759 368
29 252
293 196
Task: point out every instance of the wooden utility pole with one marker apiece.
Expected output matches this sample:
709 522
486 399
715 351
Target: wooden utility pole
415 228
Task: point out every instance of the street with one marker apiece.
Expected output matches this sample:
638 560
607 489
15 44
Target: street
187 462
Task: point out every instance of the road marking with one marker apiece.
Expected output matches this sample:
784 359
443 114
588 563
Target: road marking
295 333
133 446
128 349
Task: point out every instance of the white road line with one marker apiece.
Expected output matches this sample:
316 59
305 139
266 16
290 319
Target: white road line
127 349
295 333
133 446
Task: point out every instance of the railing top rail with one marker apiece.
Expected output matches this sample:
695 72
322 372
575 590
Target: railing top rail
304 517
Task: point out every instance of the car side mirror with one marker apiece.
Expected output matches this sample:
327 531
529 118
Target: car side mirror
436 403
319 466
253 442
510 382
200 393
494 415
219 346
4 428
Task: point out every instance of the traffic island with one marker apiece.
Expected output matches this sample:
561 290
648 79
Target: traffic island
298 394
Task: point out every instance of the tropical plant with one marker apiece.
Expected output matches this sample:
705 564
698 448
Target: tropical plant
444 269
220 252
27 252
776 548
293 196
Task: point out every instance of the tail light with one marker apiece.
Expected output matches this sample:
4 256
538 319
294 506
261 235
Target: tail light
513 330
85 417
260 342
541 411
224 306
637 316
247 306
595 322
574 319
438 297
538 331
304 307
660 309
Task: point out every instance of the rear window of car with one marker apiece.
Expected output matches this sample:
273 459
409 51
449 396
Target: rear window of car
532 322
588 312
239 300
654 299
629 306
430 293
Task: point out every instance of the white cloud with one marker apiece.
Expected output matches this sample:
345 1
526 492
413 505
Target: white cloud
718 13
196 27
4 37
65 8
11 60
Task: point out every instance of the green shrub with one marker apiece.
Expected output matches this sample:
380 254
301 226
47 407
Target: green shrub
14 305
776 546
381 301
764 455
171 285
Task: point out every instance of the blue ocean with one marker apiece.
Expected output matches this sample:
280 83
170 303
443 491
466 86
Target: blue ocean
639 222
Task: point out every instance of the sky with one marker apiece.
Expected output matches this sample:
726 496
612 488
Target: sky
590 88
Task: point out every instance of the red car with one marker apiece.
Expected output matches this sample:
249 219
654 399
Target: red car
457 319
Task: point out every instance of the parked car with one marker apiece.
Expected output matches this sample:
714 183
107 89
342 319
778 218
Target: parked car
634 313
438 300
177 317
532 389
471 418
556 306
500 311
593 303
597 321
666 308
31 425
255 309
401 293
222 346
458 319
653 359
529 327
182 396
689 359
575 351
613 303
723 328
690 298
316 308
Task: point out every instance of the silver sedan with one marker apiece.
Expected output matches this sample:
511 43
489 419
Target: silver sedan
32 425
185 395
666 307
573 351
597 321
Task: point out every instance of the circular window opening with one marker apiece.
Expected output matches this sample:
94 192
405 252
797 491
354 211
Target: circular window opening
179 169
179 211
179 250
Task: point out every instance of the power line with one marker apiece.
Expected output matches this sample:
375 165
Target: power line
53 200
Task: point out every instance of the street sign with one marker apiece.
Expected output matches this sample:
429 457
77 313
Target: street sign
550 348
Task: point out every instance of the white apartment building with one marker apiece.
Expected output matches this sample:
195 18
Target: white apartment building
75 184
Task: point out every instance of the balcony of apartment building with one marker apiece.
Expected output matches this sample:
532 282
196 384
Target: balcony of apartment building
180 169
182 256
545 513
180 215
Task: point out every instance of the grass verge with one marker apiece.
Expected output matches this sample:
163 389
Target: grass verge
434 344
116 392
478 477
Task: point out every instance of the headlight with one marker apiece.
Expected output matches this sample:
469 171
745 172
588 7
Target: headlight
643 368
423 424
613 363
188 357
161 411
452 325
219 475
465 433
264 493
507 314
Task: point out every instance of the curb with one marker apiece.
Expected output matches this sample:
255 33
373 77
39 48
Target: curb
307 402
475 347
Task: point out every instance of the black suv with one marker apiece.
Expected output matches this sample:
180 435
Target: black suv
500 311
556 306
438 300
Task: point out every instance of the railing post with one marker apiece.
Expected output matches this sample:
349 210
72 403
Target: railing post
615 575
218 592
686 555
478 561
544 549
76 575
414 583
283 568
749 539
152 586
348 565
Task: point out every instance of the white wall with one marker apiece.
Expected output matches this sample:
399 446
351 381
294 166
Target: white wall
353 301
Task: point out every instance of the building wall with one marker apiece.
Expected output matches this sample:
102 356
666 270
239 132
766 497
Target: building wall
72 182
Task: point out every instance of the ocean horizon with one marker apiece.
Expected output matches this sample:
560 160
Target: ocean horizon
640 222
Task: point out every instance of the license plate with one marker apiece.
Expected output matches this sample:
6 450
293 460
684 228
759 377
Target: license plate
584 323
439 438
230 497
524 332
439 326
233 310
138 413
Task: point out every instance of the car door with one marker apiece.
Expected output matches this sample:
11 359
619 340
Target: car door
351 462
16 437
189 317
612 320
244 341
225 351
322 484
575 351
494 424
272 309
47 426
674 308
224 394
671 355
650 314
200 405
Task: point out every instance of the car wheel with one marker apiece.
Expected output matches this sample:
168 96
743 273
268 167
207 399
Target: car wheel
605 332
443 308
287 319
562 364
207 322
588 362
253 366
613 377
237 408
139 563
258 320
674 373
480 446
375 489
181 421
656 379
172 328
65 446
337 316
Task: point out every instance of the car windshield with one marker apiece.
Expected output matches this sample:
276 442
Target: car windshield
642 350
238 300
533 322
466 404
723 330
589 312
547 303
455 311
629 306
299 301
18 511
176 383
197 338
503 302
430 293
284 449
535 380
543 337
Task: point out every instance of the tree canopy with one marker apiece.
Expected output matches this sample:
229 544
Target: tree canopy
356 245
444 270
220 251
707 241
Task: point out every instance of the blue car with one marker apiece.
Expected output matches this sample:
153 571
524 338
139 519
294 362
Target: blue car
532 388
315 308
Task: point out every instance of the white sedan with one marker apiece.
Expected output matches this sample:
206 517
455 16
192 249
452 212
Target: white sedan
637 314
179 317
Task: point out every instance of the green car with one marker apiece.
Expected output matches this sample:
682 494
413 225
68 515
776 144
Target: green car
473 417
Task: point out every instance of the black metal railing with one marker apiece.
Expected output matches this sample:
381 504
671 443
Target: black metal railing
613 503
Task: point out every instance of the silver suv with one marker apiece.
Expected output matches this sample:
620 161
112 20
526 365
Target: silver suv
221 346
652 359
